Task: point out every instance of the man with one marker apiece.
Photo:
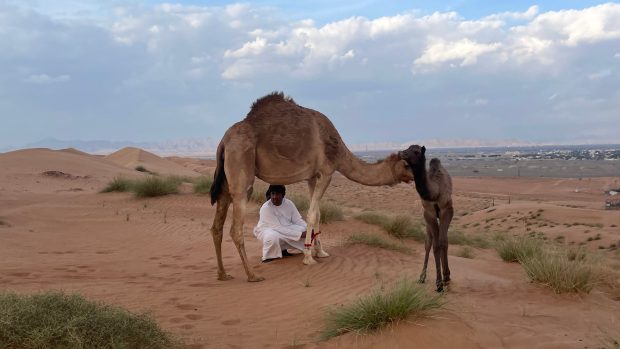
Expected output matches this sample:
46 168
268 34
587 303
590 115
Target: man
280 225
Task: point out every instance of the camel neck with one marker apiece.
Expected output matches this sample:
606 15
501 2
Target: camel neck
364 173
421 182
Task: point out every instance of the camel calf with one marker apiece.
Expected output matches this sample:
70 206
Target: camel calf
435 189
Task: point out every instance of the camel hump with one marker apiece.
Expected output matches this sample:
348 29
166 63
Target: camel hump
272 98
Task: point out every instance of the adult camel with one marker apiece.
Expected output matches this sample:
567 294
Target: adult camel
281 142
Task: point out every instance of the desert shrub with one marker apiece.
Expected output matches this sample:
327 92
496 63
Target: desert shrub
403 227
466 252
405 300
154 186
330 212
57 320
456 237
376 241
258 194
517 248
141 168
554 268
203 185
373 218
118 184
400 226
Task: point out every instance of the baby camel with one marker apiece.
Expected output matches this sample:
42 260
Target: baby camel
435 189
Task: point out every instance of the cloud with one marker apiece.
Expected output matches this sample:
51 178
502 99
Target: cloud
174 70
44 79
465 51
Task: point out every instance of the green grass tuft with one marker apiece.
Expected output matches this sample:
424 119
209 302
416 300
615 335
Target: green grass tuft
407 299
155 186
456 237
57 320
518 248
119 184
466 252
555 269
203 185
401 226
376 241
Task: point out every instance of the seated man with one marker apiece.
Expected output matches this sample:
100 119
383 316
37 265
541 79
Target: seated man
280 225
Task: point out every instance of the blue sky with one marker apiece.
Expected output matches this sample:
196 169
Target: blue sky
382 71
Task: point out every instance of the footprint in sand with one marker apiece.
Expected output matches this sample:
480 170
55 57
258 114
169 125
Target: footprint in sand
203 284
231 322
187 326
176 320
193 316
19 274
187 307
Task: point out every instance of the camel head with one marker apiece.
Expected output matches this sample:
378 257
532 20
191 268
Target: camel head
400 168
414 155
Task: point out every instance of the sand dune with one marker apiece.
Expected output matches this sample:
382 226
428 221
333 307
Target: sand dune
131 157
157 255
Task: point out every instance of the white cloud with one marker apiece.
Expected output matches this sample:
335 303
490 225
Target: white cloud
466 51
44 79
599 75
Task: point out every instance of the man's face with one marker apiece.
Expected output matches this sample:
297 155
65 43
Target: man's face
276 198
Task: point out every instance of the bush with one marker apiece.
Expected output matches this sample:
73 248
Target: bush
155 186
456 237
203 185
555 269
56 320
118 184
376 241
406 299
466 252
516 249
401 227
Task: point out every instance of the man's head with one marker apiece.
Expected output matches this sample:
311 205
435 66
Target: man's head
276 194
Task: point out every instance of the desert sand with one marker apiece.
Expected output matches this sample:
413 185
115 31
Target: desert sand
57 232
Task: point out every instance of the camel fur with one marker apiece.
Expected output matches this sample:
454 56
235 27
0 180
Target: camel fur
435 189
282 142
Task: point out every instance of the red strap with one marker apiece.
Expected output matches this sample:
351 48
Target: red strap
312 237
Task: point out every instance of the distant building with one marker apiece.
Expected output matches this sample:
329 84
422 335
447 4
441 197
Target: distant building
612 204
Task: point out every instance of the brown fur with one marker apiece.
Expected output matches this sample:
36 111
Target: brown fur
281 142
435 189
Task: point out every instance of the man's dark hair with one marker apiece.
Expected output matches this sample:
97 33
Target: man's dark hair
276 188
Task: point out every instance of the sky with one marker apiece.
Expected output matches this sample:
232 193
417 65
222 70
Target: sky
382 71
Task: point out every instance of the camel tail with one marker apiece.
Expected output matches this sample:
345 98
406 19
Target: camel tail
219 176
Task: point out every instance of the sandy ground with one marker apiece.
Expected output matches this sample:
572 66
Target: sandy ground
58 232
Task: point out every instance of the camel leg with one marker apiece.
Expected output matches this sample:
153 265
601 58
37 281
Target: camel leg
430 217
239 169
427 249
217 228
236 232
320 183
445 218
317 249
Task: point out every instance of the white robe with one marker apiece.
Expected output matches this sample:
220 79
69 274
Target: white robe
279 227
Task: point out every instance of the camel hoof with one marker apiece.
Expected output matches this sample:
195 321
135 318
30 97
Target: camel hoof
440 286
422 279
225 277
255 278
308 260
321 254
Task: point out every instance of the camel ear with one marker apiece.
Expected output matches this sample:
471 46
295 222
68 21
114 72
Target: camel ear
423 149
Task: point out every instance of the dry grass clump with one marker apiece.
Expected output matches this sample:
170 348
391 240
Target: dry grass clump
560 268
57 320
118 184
202 185
401 226
456 237
376 241
554 268
405 300
154 186
466 252
329 211
518 248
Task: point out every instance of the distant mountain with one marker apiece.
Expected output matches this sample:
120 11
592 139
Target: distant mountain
185 147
